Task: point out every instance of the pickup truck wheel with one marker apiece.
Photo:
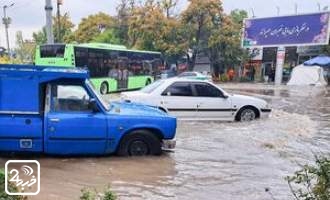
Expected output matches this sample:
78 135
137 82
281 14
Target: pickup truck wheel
104 88
139 143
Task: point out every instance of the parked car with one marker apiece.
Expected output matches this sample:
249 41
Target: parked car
194 75
166 74
198 100
57 111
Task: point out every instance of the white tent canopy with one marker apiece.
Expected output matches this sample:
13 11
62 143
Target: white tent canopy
307 75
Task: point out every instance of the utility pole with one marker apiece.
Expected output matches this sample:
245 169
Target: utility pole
6 21
59 3
278 10
49 24
252 11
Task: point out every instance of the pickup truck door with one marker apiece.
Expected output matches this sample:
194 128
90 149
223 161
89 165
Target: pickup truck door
71 127
178 99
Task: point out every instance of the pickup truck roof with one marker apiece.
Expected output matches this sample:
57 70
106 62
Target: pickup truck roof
20 85
43 71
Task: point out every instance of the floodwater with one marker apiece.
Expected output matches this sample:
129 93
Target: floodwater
213 160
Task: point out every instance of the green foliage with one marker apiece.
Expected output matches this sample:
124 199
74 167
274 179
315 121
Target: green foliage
66 34
66 27
92 26
40 37
24 49
108 36
11 188
224 78
312 182
152 25
92 194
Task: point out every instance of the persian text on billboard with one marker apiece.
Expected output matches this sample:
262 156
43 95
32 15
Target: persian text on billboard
311 29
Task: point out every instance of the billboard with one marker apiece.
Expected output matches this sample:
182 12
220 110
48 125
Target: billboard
297 30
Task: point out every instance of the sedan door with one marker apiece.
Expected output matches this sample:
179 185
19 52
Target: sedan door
212 103
179 100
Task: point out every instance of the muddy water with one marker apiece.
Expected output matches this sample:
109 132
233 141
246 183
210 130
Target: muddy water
212 160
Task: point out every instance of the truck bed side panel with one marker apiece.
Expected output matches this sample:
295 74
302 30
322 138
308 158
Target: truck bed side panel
22 133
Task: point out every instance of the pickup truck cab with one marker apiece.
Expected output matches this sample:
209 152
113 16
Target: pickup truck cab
56 111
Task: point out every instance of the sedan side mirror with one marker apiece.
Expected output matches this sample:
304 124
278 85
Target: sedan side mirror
93 105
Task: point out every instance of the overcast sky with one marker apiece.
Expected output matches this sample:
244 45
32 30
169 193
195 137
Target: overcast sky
29 15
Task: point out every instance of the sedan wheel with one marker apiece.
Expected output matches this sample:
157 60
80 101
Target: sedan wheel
247 115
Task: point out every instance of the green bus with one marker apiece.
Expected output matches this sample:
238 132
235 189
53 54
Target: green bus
112 67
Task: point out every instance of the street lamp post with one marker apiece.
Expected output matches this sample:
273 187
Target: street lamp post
6 21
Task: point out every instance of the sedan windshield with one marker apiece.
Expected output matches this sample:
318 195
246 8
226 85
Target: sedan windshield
150 88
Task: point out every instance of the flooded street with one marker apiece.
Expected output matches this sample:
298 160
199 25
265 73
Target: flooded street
212 160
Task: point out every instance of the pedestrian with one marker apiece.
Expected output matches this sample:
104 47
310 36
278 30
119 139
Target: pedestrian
231 74
252 73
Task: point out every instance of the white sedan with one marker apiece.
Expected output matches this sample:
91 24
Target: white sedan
198 100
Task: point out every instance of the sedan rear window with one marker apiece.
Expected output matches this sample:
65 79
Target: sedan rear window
178 89
207 90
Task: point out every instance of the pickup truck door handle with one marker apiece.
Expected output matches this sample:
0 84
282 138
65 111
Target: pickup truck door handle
54 119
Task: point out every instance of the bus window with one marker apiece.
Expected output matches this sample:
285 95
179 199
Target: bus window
52 51
81 56
92 63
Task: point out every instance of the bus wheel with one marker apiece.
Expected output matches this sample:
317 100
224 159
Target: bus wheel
104 88
148 82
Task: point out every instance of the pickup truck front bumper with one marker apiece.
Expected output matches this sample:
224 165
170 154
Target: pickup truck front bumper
168 144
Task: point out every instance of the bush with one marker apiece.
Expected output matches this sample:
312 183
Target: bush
92 194
11 188
224 78
312 182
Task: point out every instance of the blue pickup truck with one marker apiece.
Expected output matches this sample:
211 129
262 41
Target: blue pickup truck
56 111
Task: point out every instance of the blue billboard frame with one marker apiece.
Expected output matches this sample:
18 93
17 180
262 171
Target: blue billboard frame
291 30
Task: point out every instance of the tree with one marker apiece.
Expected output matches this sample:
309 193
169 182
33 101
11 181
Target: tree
40 37
67 36
167 6
200 19
25 49
92 26
224 42
150 29
312 181
66 27
124 13
108 36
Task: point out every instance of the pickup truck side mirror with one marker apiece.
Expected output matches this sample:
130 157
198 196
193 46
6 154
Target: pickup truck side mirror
93 105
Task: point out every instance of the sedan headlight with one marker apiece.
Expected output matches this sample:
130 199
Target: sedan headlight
268 106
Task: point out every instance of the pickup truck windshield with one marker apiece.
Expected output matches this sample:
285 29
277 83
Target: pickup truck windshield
105 104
